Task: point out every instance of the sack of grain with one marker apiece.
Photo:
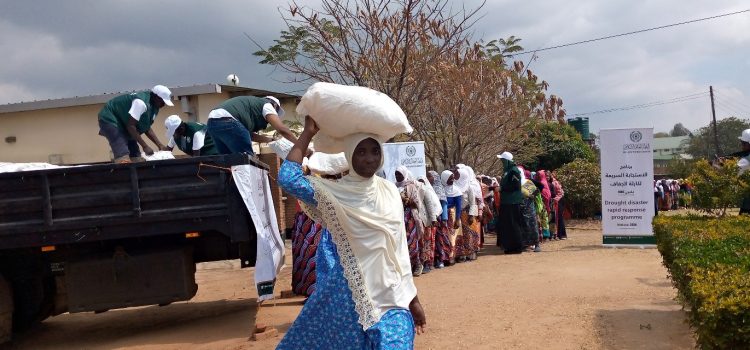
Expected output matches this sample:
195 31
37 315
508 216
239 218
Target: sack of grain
281 147
341 110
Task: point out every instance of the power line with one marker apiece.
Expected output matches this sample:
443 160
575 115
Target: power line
628 33
733 101
729 112
732 108
644 105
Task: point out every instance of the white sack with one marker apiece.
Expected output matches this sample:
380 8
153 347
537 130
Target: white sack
158 155
281 147
14 167
341 110
327 164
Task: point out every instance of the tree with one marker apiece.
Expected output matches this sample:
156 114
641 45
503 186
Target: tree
681 168
392 46
679 130
716 188
463 99
581 181
702 143
660 134
560 144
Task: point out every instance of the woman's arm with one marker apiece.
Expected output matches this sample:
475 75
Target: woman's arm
417 313
291 176
297 154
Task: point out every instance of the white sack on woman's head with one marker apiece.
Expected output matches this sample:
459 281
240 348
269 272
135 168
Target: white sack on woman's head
341 110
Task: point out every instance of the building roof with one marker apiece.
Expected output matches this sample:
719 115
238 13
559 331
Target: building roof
178 91
670 142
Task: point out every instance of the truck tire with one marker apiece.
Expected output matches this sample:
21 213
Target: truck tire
33 294
6 311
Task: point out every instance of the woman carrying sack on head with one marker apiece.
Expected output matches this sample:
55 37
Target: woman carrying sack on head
365 297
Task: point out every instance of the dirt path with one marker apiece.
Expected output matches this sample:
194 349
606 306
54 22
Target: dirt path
573 295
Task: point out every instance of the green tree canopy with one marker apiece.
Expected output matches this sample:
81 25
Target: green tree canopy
560 144
702 143
581 181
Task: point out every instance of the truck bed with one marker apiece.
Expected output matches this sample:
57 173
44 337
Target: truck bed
114 201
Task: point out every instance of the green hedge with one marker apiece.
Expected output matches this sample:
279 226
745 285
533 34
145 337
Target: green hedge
709 262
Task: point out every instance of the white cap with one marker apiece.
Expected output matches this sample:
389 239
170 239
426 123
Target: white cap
745 136
171 124
163 92
274 99
505 155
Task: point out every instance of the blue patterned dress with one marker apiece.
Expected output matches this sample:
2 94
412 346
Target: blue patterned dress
329 320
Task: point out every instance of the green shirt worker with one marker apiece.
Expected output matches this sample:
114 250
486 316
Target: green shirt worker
124 118
189 137
235 123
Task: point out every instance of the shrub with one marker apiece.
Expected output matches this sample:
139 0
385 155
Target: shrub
581 181
708 261
718 188
560 144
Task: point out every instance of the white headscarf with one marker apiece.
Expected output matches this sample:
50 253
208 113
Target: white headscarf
474 185
450 190
463 182
366 221
408 177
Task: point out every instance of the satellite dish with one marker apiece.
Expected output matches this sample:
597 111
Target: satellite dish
233 79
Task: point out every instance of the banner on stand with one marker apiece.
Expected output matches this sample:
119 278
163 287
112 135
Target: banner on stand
408 154
627 165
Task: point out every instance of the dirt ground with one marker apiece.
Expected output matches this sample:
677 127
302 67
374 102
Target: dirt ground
573 295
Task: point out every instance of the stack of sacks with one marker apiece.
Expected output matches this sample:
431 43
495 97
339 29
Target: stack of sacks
341 110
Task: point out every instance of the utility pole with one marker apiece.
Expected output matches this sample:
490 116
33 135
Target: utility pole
716 131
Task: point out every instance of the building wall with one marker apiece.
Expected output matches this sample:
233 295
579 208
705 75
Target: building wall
69 135
70 132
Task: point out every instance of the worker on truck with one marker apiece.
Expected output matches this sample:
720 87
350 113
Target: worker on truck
189 137
124 118
235 123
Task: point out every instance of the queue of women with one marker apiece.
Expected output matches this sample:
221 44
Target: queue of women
359 240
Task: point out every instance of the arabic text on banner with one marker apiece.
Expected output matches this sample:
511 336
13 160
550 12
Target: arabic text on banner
409 154
627 165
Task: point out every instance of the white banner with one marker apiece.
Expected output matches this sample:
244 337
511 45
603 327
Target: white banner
408 154
252 183
627 164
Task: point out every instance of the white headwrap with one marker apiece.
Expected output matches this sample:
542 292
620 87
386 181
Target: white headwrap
450 190
366 220
408 177
474 185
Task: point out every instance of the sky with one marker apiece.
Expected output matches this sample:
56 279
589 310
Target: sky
56 49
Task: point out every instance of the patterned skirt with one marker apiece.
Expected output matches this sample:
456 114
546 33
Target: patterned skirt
530 225
329 320
412 237
428 246
468 242
305 238
443 246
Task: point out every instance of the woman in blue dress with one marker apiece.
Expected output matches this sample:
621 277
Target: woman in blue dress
365 296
